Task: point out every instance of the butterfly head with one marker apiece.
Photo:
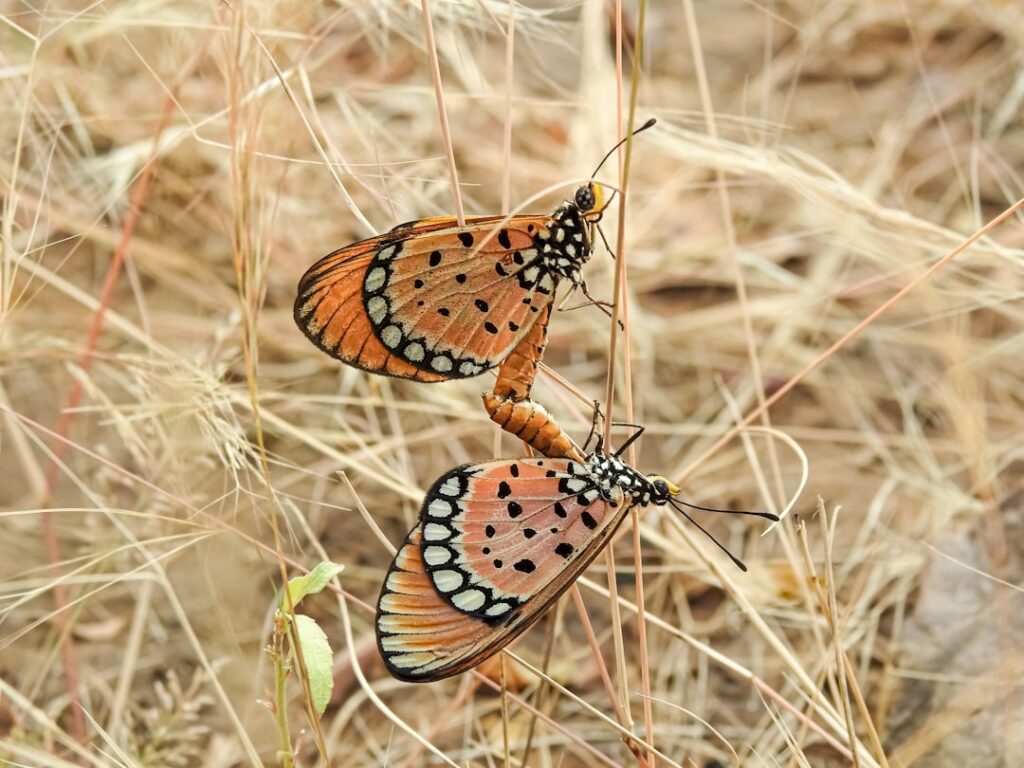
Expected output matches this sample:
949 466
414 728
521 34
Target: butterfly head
590 201
664 489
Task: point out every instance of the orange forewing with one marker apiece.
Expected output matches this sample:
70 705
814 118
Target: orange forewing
551 527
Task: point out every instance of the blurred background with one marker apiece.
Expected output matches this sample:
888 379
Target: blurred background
169 170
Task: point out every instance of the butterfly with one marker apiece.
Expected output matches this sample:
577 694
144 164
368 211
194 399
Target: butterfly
432 301
495 545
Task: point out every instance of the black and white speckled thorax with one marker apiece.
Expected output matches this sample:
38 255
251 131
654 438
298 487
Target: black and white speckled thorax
564 247
611 471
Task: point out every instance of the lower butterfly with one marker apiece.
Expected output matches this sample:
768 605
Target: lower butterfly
496 544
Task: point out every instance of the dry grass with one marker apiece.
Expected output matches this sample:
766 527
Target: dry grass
837 151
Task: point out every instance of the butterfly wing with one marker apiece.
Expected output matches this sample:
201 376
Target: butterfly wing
496 544
331 311
420 636
429 300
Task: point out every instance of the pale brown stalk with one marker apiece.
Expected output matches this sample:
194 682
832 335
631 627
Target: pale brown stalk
442 110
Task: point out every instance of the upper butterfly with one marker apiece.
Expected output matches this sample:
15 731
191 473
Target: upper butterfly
433 301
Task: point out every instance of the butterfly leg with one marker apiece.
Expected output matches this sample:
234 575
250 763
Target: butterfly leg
631 439
595 420
604 306
600 231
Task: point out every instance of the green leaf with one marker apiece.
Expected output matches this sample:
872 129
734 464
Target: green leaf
316 652
311 583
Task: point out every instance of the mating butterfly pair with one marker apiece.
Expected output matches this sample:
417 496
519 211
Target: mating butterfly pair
497 542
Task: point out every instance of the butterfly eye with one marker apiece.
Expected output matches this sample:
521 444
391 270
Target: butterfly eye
661 487
585 200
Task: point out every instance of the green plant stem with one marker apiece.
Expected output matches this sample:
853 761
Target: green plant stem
280 696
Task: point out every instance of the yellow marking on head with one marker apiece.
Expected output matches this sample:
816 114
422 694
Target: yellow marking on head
599 196
671 486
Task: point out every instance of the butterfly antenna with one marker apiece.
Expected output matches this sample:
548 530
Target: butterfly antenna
765 515
643 127
739 563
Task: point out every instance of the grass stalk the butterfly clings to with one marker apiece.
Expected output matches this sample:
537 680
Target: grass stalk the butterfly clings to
620 294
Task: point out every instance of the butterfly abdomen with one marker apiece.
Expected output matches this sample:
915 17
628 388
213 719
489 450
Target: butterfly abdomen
533 425
519 369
